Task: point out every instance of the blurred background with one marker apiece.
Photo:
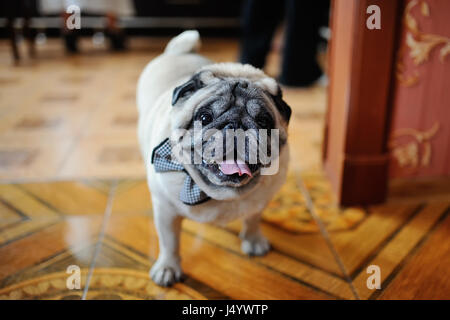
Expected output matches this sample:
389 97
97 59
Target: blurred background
369 135
97 66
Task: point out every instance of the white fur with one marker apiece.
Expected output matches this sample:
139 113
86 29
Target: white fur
156 122
188 41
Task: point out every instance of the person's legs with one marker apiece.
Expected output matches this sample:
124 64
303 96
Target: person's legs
12 11
299 66
28 8
259 21
115 34
70 36
12 38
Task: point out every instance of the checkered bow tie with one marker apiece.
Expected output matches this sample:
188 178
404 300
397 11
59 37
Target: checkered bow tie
190 194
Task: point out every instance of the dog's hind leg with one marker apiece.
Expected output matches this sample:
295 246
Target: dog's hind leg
167 269
254 243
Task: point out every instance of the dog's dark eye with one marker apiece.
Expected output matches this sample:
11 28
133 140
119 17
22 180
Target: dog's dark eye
205 118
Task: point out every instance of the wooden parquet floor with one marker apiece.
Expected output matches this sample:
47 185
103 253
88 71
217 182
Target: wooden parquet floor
73 192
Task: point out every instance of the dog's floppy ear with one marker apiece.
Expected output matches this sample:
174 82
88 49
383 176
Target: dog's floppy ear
282 106
188 87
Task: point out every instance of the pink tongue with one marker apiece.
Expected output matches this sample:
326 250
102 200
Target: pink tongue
231 167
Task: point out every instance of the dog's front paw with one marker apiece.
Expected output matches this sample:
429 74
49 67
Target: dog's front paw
166 273
255 246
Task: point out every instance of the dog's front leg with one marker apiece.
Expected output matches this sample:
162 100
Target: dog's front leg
167 269
254 243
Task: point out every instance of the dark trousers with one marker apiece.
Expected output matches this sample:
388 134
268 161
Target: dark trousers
303 18
25 9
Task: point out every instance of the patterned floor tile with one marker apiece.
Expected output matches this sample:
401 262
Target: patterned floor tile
43 123
356 245
425 274
127 194
209 264
304 266
24 214
287 221
42 272
305 139
289 208
111 122
38 242
71 198
33 157
390 256
104 157
333 217
122 273
379 235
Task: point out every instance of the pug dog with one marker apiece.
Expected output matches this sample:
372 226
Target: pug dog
180 91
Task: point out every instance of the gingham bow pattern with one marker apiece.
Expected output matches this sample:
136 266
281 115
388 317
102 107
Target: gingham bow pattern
190 194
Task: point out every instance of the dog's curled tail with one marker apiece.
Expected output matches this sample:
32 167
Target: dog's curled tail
186 42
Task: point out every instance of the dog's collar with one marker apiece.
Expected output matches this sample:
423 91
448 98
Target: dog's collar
190 193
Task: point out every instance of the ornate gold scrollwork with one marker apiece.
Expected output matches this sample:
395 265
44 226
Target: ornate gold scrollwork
420 44
416 153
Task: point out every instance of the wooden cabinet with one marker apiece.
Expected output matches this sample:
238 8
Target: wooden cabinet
355 152
389 96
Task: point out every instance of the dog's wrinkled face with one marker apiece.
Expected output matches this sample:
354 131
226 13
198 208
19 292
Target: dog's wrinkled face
225 106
